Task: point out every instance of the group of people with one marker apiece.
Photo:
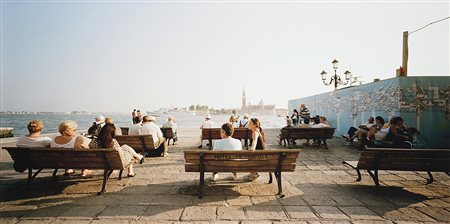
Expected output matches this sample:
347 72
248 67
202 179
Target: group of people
394 132
147 126
258 142
298 116
69 138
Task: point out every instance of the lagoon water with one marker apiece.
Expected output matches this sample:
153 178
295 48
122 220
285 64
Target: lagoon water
51 121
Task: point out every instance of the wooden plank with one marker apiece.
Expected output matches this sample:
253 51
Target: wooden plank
196 168
290 160
270 163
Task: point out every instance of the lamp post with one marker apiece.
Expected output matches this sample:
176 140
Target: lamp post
335 78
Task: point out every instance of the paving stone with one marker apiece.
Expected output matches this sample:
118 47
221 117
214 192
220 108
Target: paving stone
329 212
319 200
265 212
264 200
179 200
374 201
71 221
437 203
330 222
346 200
257 222
210 200
296 200
9 220
37 221
439 214
224 222
110 221
300 212
122 212
46 212
160 212
401 214
239 201
82 212
231 213
358 212
372 222
199 213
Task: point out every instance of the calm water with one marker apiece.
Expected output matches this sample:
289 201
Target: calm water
19 121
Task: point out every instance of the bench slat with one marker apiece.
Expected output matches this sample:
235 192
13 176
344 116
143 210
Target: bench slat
249 156
269 162
262 168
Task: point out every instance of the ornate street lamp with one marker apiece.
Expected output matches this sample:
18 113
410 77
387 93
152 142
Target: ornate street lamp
336 79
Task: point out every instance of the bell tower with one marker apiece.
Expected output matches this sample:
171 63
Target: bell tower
244 99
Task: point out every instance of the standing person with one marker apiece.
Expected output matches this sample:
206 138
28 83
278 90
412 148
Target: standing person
133 115
226 143
243 123
139 114
295 117
34 138
135 129
150 128
127 154
258 141
70 139
206 124
304 113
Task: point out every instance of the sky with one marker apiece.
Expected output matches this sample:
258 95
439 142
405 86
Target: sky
118 55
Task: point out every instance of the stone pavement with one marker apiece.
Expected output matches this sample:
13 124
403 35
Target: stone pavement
321 190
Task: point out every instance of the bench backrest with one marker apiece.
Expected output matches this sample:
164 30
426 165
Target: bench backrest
241 160
65 158
214 133
138 142
405 159
167 133
307 133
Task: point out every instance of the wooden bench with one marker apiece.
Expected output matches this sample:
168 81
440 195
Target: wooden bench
290 134
169 134
246 161
214 133
65 158
143 144
428 160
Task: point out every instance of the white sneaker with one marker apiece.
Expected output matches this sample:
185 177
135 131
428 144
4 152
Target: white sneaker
214 176
235 176
348 143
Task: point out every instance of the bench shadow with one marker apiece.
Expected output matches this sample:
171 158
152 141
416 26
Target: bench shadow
76 197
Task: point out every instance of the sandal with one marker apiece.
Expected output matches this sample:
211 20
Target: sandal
142 160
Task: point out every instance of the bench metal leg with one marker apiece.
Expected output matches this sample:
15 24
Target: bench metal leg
429 181
210 144
54 174
359 174
374 177
289 143
120 174
280 187
270 178
202 175
31 176
106 175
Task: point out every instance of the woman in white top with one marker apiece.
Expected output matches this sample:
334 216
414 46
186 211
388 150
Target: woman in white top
34 139
69 139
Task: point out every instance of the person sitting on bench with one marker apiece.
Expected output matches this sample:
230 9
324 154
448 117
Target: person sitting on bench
226 143
106 140
34 139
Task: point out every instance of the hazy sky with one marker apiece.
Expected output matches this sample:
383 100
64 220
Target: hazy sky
116 56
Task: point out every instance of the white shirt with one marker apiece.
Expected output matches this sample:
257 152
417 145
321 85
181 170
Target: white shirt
170 124
150 128
243 122
135 129
207 124
320 125
40 142
228 143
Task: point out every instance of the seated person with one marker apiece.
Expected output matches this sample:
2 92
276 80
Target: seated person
135 129
106 140
34 138
206 124
226 143
70 139
320 123
109 120
359 133
96 126
243 123
150 128
171 124
398 134
379 123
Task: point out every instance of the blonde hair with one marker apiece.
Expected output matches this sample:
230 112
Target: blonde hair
66 125
108 120
35 126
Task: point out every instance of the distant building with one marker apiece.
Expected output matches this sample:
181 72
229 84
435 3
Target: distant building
260 108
